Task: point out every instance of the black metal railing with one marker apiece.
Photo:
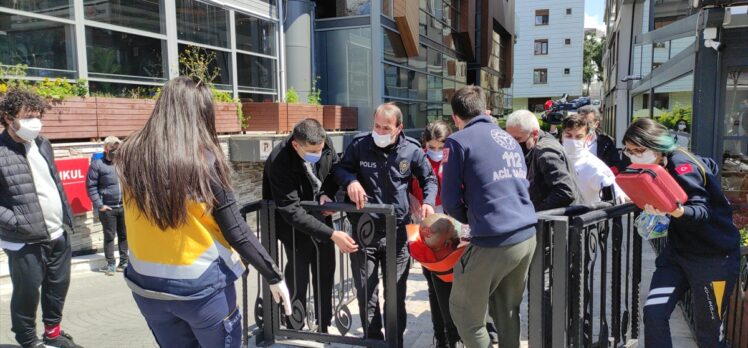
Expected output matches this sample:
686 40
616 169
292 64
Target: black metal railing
305 323
737 310
585 276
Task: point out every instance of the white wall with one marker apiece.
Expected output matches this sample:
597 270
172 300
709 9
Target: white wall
561 26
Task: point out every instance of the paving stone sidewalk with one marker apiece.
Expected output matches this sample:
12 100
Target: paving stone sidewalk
100 312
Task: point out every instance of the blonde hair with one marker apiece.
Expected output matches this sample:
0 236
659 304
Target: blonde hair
111 140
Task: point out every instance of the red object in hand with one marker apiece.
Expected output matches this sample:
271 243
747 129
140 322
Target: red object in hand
651 184
548 105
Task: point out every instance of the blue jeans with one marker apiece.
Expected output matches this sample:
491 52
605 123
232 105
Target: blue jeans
214 321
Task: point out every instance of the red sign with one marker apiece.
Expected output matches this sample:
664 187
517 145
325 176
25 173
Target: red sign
73 174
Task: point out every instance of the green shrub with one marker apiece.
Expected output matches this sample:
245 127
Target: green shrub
13 77
291 96
315 95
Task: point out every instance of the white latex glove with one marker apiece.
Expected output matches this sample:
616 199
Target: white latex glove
281 295
651 210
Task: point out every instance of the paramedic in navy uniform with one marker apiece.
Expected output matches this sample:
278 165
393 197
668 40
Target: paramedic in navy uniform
377 168
702 249
485 184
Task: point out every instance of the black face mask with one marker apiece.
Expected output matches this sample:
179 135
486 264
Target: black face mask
112 154
525 150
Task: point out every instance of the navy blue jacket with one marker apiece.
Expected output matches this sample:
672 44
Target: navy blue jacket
386 173
706 227
102 184
485 184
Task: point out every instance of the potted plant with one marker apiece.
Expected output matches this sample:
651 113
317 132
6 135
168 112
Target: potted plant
281 117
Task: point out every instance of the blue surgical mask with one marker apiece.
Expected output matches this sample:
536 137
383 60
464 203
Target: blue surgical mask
312 157
436 156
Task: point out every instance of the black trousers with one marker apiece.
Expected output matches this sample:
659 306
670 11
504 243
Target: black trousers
304 253
365 265
45 265
439 291
711 281
113 224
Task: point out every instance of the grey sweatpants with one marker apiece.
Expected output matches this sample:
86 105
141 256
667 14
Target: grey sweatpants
493 279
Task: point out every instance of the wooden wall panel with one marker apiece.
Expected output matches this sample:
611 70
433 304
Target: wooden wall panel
406 18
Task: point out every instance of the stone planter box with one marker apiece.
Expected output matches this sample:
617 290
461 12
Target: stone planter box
337 118
278 117
98 117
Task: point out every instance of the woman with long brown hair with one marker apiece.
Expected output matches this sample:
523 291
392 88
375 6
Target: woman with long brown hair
184 225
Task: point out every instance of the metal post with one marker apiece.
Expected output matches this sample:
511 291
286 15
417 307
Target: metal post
560 294
390 282
269 310
80 40
535 289
172 46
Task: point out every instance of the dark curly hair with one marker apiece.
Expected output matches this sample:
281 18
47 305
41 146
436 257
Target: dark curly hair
16 100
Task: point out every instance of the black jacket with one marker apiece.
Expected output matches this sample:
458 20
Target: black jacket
553 180
608 152
706 227
386 173
103 185
286 182
21 216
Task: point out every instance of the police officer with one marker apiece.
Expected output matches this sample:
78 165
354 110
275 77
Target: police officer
377 168
702 250
299 169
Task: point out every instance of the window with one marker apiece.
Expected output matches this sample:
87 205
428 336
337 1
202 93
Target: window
256 72
45 46
541 47
255 35
114 54
136 14
343 8
541 17
567 71
568 11
202 23
567 42
54 8
540 76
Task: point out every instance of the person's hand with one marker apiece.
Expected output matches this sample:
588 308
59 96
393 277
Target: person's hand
426 210
345 243
105 208
652 210
623 199
280 294
357 194
325 199
677 213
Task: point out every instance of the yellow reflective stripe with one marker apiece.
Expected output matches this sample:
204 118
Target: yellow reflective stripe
719 294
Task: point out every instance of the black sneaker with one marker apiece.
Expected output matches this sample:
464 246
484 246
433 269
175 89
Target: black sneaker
62 341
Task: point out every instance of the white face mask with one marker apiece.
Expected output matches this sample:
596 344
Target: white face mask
646 157
574 148
382 140
681 127
29 128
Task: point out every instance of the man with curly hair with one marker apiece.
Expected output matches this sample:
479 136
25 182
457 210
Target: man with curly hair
35 222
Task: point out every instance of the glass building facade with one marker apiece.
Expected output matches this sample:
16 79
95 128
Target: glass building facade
124 45
421 85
